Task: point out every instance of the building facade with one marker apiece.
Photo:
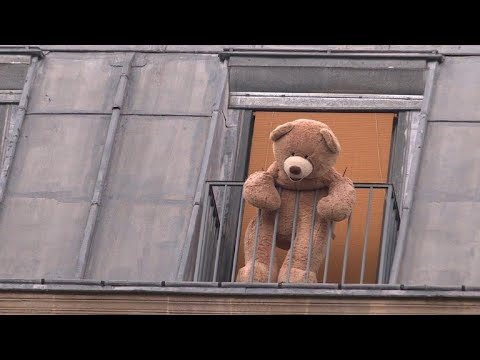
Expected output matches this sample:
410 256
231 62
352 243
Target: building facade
122 169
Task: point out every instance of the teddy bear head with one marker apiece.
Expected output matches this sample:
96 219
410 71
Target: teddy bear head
304 149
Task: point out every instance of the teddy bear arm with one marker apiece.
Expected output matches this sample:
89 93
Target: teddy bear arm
273 170
259 190
338 205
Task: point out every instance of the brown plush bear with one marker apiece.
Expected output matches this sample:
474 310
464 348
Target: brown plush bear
305 152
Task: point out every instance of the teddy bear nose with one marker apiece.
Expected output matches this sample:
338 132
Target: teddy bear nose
295 170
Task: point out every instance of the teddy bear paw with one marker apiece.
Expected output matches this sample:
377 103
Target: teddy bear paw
328 210
260 275
296 276
260 191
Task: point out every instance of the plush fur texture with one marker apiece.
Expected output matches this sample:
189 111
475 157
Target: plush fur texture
305 152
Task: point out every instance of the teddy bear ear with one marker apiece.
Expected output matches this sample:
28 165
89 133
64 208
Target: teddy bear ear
281 130
331 141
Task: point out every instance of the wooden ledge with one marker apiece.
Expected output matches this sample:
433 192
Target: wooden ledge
21 302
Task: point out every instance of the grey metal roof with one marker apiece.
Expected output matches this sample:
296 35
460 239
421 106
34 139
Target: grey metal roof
444 49
154 170
151 195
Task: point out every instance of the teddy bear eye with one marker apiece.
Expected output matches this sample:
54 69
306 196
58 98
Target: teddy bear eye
306 156
293 153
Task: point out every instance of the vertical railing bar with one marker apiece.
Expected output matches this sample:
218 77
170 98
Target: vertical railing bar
389 232
387 252
365 241
210 230
219 238
391 243
384 236
237 239
394 232
294 230
274 240
214 235
327 256
347 243
212 250
257 228
388 261
208 234
201 241
310 241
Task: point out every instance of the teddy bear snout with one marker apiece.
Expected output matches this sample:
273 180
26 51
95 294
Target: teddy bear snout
297 167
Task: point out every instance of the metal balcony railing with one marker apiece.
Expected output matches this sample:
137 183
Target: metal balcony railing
361 252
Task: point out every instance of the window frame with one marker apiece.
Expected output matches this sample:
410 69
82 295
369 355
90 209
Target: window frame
7 122
30 58
10 97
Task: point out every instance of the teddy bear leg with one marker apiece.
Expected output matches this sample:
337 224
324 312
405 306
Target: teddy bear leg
298 268
260 265
296 275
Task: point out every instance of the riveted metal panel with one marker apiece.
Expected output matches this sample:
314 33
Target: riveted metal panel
177 84
48 195
75 83
148 198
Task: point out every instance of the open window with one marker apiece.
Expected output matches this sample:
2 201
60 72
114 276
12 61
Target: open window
362 249
366 140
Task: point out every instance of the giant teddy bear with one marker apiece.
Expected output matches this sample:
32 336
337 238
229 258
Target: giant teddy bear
305 152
